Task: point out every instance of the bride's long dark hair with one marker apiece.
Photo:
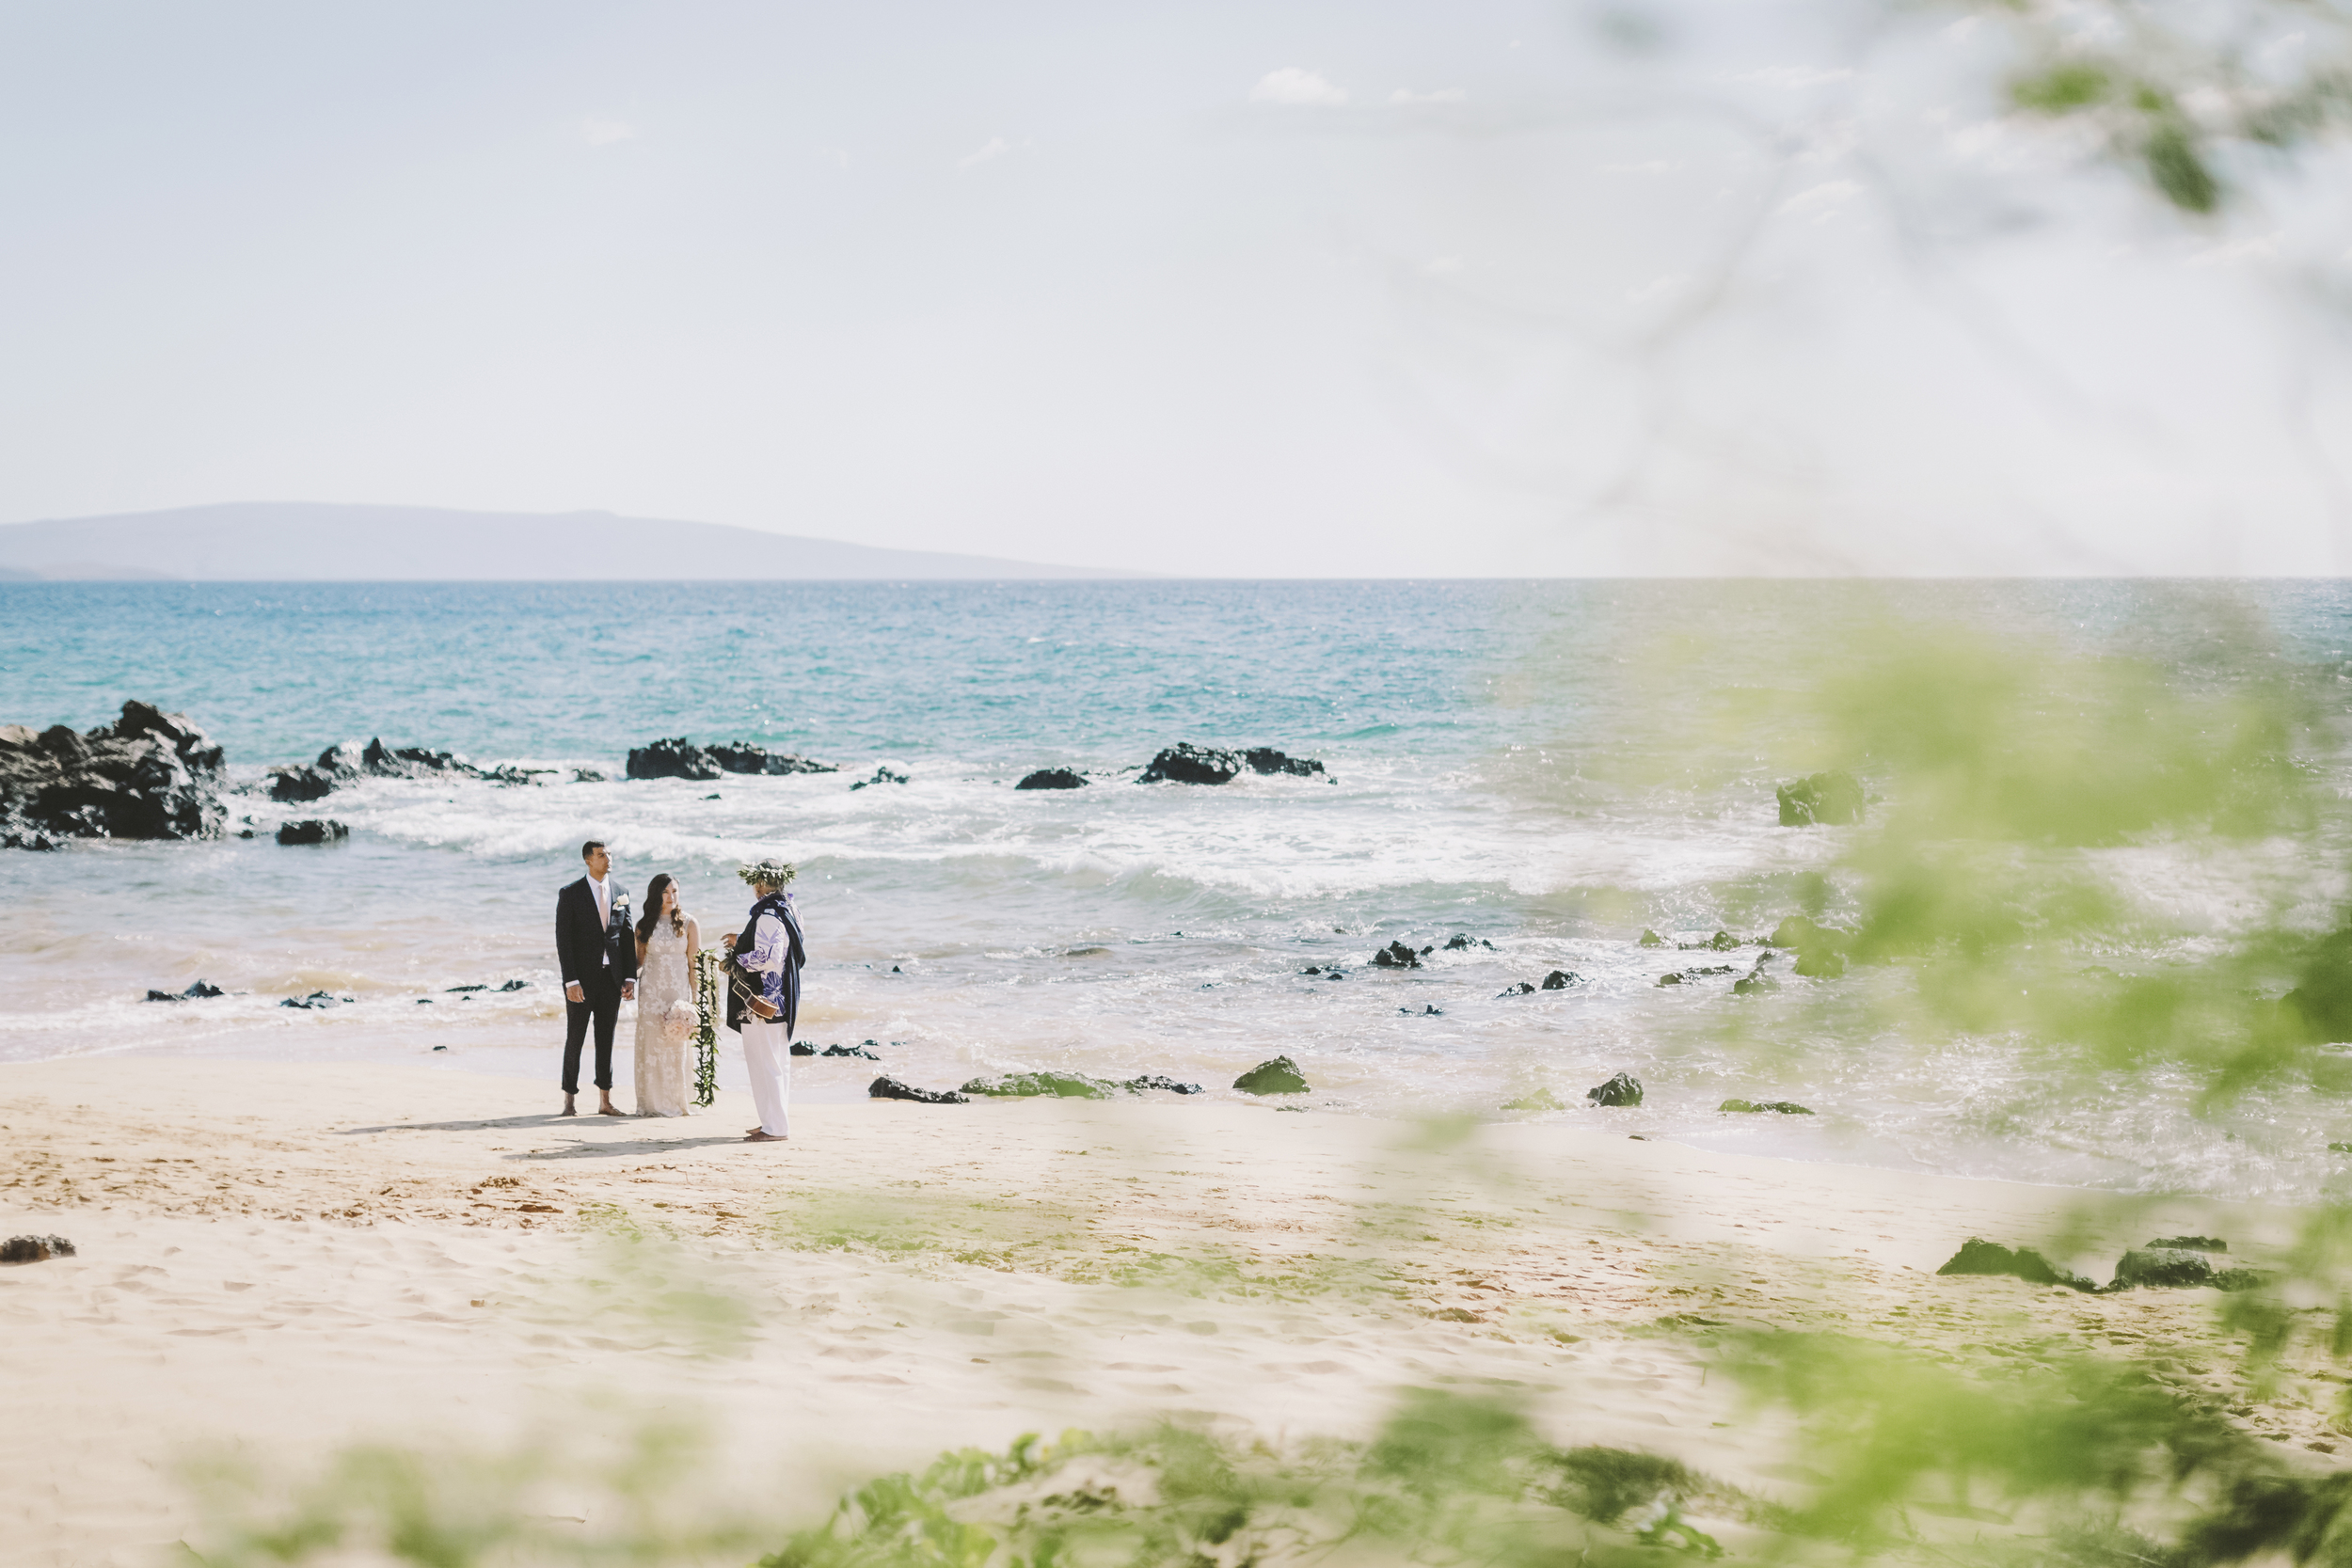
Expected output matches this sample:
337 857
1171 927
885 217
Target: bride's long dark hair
653 907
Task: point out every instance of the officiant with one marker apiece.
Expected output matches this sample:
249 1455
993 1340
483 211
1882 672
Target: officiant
597 948
764 995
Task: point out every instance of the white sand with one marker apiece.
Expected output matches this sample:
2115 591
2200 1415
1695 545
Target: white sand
278 1261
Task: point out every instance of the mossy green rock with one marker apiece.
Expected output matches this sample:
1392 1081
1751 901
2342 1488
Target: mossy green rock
1070 1085
1278 1076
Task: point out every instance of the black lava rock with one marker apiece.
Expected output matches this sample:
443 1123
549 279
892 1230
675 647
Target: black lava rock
1622 1089
1650 939
802 1048
1827 798
1156 1080
1396 956
742 758
1278 1076
1977 1256
1266 759
882 775
201 990
1722 942
516 985
149 775
1458 941
2179 1268
1052 777
1561 979
1185 763
1523 988
34 1249
862 1052
380 761
1756 979
890 1089
313 831
2191 1243
316 1000
586 775
292 785
680 758
1746 1107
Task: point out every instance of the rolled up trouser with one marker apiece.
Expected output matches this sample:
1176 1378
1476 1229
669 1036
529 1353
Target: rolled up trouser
768 1056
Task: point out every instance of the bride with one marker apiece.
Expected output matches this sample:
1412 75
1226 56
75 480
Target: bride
666 1015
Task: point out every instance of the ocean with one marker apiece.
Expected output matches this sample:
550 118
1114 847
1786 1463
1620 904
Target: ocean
1547 769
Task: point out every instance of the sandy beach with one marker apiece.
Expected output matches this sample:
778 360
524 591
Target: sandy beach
276 1262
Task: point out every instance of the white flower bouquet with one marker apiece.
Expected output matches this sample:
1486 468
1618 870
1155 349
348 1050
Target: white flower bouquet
679 1023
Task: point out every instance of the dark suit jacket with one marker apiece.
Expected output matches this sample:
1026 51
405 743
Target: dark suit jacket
580 947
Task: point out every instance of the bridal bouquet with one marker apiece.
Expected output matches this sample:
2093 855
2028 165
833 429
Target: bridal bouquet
679 1023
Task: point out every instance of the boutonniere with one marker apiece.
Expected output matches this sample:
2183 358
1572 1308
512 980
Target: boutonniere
621 902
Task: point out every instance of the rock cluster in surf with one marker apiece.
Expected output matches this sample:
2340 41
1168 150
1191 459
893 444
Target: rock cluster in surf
680 759
1185 763
148 775
339 765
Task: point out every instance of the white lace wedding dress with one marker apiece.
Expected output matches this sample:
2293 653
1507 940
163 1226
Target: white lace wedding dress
663 981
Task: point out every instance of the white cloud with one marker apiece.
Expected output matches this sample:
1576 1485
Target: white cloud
1442 266
604 133
997 146
1294 86
1795 76
1654 165
2238 253
1657 288
1443 95
1822 200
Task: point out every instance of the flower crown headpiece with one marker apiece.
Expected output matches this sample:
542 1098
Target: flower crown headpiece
772 873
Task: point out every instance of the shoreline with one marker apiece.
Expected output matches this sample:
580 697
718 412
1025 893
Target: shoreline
276 1263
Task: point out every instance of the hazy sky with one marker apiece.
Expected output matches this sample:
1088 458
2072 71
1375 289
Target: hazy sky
1210 289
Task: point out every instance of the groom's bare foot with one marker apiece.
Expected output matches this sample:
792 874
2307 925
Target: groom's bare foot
761 1135
608 1109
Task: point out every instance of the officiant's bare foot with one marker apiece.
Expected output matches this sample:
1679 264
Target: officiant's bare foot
608 1109
760 1135
568 1109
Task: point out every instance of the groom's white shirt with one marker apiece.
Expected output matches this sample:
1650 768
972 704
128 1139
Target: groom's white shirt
603 892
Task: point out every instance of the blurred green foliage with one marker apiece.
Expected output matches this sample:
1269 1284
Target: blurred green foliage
2018 791
2180 92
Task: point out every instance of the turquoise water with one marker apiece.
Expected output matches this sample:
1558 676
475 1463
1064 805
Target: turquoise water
1539 766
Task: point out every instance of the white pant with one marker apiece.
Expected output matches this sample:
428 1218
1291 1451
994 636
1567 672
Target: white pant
769 1056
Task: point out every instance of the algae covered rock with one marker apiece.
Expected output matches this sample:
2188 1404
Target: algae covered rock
1749 1107
1833 798
1023 1085
1278 1076
1622 1089
1977 1255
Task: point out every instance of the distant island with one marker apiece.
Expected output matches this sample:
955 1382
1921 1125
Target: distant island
314 542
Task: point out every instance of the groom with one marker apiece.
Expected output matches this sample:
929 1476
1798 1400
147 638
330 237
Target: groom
598 952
